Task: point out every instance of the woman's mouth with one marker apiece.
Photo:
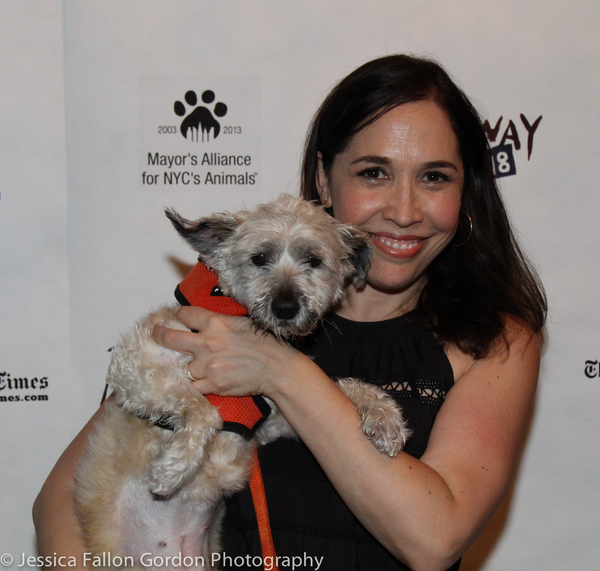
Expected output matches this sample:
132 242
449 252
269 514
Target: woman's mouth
398 247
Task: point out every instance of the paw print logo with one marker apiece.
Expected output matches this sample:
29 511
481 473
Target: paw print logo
200 119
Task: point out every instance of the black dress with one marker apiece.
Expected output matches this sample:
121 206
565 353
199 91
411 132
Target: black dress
308 518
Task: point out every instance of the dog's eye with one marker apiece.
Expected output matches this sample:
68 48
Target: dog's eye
314 262
259 259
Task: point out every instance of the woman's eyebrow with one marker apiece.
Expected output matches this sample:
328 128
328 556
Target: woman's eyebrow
440 165
372 159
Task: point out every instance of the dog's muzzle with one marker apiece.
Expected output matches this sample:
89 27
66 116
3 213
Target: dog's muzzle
285 306
285 309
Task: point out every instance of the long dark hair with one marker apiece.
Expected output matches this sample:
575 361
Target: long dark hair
472 287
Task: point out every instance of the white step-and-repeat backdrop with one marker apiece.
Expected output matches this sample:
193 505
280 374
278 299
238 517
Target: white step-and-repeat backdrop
91 152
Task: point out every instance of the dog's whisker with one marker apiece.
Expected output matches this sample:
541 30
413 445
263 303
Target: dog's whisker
333 324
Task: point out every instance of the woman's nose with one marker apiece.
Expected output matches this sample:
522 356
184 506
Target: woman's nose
404 205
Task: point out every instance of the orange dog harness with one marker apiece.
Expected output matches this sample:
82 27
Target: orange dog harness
200 287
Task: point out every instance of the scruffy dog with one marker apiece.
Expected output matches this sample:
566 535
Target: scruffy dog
153 494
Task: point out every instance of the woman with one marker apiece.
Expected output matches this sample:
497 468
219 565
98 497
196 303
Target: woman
449 322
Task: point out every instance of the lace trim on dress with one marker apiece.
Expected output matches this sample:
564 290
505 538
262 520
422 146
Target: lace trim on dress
429 391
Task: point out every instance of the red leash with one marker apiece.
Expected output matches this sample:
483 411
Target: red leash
240 414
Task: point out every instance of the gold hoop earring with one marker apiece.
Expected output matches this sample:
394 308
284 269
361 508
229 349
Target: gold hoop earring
470 231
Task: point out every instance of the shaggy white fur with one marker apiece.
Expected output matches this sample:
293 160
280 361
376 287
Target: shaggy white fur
143 489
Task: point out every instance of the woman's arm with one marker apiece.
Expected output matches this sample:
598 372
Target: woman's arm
54 516
425 512
428 512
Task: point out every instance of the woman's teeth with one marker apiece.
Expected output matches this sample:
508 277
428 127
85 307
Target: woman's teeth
397 245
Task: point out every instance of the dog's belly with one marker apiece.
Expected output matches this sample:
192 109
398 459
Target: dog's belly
163 534
120 515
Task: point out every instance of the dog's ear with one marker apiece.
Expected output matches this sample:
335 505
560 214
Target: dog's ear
205 235
360 245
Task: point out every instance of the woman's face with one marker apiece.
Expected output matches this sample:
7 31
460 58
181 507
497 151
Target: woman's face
401 180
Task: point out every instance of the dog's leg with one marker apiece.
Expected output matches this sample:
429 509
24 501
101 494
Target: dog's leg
196 425
381 417
149 381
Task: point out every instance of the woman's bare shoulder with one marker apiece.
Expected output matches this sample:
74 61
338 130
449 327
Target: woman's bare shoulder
517 342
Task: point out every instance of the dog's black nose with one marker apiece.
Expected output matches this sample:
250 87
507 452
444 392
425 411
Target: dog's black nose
285 308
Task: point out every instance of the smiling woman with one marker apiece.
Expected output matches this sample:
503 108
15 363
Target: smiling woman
401 180
467 291
449 324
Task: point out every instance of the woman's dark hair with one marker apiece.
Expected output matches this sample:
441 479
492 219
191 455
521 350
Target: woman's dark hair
470 288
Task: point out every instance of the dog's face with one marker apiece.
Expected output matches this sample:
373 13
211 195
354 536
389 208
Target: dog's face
287 261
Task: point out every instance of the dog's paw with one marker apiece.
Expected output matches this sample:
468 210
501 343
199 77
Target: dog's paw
381 418
385 427
174 467
164 484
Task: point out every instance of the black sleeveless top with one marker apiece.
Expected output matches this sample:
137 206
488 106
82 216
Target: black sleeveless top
308 518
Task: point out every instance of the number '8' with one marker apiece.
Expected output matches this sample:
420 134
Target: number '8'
503 164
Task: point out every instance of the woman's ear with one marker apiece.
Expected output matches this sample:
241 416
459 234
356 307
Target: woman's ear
323 183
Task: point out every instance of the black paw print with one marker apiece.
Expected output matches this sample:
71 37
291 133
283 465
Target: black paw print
200 119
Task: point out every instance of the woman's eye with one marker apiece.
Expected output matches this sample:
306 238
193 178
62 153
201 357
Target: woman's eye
314 262
434 177
372 173
259 259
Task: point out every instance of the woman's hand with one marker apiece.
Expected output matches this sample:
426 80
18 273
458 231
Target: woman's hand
229 356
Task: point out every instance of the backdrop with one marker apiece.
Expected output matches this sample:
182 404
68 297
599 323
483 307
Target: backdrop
95 96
